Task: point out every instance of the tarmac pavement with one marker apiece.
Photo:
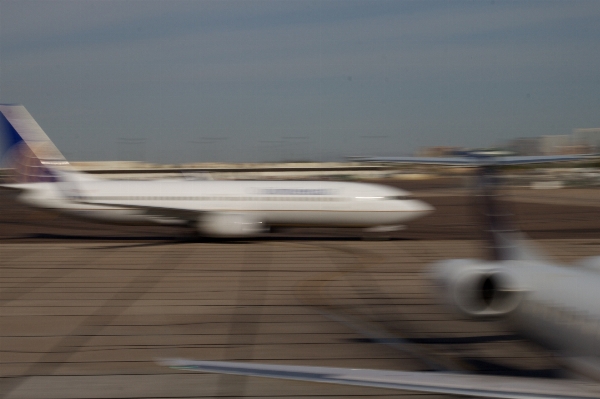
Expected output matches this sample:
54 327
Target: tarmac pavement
86 309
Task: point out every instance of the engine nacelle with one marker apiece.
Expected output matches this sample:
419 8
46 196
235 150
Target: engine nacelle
226 224
478 289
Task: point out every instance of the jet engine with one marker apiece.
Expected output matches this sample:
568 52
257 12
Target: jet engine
225 224
478 289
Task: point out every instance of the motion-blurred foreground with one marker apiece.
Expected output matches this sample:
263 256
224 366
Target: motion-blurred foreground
87 308
555 305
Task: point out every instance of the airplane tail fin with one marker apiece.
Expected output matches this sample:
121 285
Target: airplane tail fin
505 241
26 149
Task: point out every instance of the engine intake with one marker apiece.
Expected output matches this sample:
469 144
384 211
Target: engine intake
225 224
478 289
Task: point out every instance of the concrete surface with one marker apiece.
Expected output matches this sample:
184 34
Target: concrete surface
86 309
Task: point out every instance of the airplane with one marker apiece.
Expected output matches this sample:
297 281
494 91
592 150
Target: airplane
212 208
552 304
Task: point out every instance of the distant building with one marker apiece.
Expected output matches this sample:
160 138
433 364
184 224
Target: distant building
438 151
555 145
525 146
589 138
582 141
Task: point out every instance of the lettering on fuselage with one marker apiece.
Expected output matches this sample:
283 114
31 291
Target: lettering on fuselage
295 191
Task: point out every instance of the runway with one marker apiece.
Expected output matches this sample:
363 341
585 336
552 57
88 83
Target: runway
87 309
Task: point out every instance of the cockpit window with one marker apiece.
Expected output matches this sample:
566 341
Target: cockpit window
399 197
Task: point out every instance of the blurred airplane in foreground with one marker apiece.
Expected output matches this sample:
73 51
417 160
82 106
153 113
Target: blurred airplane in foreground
554 305
212 208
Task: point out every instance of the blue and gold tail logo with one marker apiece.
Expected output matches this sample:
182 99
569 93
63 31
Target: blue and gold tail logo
25 165
25 149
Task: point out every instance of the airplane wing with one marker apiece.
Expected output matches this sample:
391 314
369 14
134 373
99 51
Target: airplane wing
474 160
522 160
466 161
430 382
157 211
13 187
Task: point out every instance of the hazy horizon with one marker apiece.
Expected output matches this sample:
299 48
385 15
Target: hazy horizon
234 81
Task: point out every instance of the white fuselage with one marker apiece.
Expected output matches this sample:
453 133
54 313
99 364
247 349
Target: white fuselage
275 203
554 305
561 307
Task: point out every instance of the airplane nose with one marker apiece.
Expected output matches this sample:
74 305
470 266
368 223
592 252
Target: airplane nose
421 208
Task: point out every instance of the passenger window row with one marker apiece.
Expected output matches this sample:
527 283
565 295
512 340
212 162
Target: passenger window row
142 198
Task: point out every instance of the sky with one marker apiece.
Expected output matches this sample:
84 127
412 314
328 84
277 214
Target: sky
258 80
